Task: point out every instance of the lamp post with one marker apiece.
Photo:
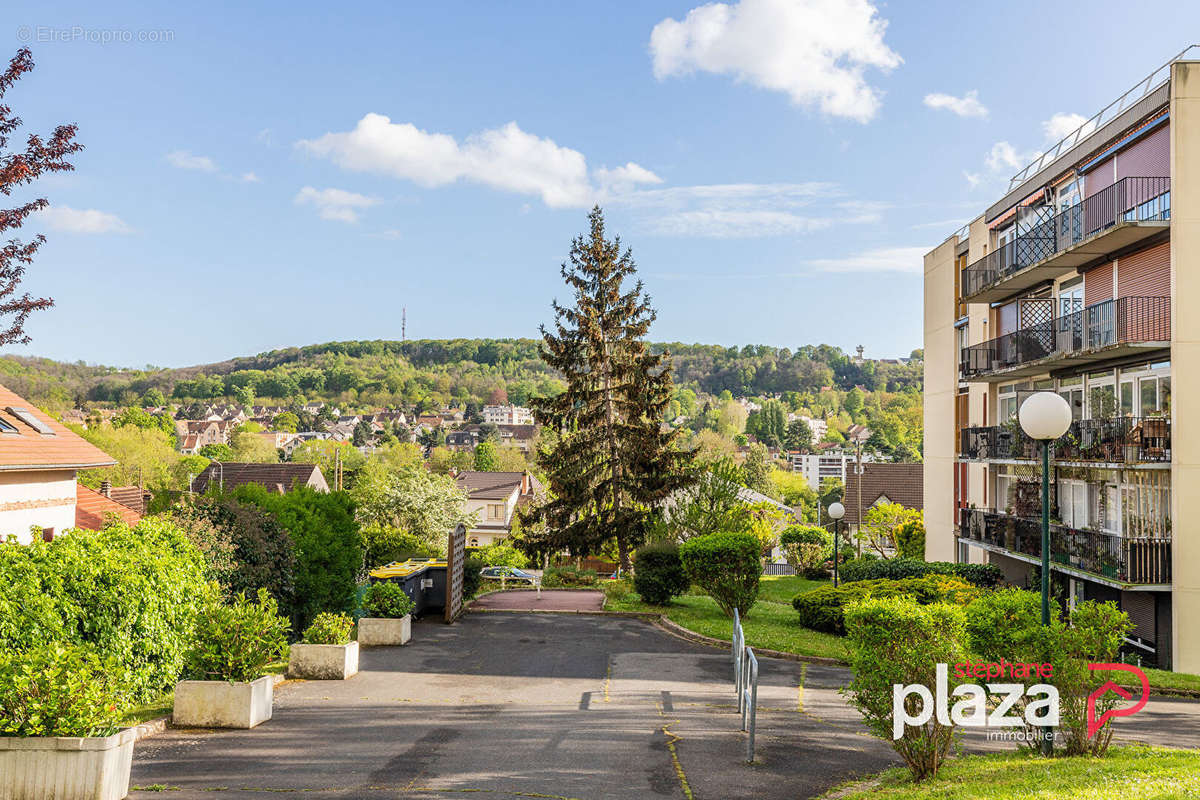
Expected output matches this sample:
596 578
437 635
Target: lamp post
1045 416
836 512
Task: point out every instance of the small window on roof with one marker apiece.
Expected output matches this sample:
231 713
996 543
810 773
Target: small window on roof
30 420
8 427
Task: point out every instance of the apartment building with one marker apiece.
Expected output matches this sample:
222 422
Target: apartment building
1080 280
507 415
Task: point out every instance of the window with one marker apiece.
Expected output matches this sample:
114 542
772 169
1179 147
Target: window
30 420
474 542
495 511
8 427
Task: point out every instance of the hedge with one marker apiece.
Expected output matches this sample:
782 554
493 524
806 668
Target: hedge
130 594
823 608
987 576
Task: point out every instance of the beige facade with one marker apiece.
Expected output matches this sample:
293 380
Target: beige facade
1064 285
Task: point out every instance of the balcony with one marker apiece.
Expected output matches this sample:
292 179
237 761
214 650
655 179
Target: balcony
1110 558
1115 328
1114 441
1130 211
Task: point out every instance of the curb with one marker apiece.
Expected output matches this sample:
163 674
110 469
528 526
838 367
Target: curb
676 629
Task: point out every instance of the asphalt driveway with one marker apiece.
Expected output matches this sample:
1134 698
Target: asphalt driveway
550 706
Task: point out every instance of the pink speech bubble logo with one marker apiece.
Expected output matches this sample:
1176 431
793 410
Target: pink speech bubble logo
1094 724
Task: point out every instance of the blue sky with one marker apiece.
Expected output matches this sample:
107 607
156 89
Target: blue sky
297 173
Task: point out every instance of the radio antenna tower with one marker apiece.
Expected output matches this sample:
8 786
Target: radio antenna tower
403 325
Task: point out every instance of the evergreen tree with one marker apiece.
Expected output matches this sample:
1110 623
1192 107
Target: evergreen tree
613 462
799 436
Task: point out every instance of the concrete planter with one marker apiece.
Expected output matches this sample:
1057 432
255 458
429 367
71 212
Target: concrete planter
66 768
323 662
221 704
384 630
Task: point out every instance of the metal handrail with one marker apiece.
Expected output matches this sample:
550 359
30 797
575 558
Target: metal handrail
745 678
1139 90
1109 440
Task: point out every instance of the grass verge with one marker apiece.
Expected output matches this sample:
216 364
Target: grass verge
771 624
1147 773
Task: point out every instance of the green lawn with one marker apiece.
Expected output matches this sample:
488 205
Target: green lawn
772 623
1144 773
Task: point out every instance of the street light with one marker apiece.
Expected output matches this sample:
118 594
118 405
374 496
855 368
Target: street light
1045 416
836 512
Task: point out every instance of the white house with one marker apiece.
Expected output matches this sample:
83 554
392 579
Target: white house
39 458
493 498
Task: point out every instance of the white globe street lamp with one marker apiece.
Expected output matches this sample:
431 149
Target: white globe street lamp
836 512
1045 416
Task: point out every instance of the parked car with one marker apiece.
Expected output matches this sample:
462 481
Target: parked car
508 574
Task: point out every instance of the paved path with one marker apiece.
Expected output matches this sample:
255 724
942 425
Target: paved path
546 600
551 706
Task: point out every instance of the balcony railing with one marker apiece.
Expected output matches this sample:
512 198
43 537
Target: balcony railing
1118 440
1118 558
1127 200
1123 320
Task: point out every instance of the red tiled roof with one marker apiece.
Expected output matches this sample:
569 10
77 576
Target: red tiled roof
92 508
26 448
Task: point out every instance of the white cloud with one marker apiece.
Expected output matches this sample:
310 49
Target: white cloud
185 160
1061 124
335 204
737 224
883 259
249 177
973 179
505 158
624 179
966 106
391 234
816 51
80 220
1003 156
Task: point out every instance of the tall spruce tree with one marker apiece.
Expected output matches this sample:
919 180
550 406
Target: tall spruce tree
613 461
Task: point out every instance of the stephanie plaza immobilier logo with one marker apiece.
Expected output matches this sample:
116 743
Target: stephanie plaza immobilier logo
1041 707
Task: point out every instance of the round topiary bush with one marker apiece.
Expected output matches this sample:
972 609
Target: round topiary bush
387 600
658 573
726 565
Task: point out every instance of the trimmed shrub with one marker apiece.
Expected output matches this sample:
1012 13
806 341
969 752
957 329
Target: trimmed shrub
472 580
559 577
133 595
727 566
897 640
987 576
236 641
806 547
387 599
58 691
823 608
327 628
327 544
658 573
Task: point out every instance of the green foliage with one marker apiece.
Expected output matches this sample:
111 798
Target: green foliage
218 452
727 566
51 690
897 640
987 576
615 591
410 499
557 577
658 573
131 594
286 422
387 599
881 522
756 470
799 436
501 555
327 545
910 540
328 628
806 547
472 580
383 545
823 608
710 504
485 457
244 546
235 641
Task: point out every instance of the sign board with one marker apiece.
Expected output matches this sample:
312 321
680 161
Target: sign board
456 556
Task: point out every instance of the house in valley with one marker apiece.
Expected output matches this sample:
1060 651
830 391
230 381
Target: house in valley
494 497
